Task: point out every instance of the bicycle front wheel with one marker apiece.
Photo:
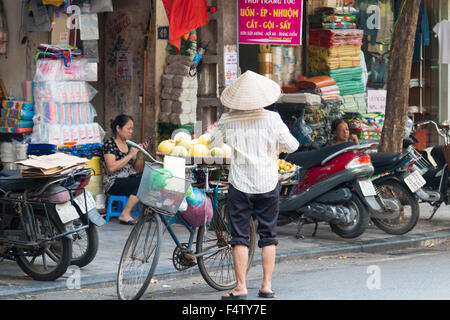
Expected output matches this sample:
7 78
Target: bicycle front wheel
216 265
140 256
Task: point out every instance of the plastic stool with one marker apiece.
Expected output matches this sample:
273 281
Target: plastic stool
121 203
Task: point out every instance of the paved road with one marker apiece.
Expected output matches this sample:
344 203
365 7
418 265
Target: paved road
13 282
418 274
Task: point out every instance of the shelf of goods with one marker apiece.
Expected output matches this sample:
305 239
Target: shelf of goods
62 95
179 89
318 114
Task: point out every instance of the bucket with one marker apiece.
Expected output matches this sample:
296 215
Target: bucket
100 200
95 185
21 151
9 166
94 163
7 152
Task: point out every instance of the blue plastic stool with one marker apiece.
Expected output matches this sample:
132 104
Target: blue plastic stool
121 203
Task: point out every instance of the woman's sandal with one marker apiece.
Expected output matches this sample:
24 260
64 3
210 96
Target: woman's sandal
231 296
266 294
130 222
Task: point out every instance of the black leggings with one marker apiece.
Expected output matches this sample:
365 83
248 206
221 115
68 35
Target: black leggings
125 186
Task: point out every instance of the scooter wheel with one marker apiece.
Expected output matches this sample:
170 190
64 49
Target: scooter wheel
358 225
409 209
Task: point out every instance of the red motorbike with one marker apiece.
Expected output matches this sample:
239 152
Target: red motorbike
333 185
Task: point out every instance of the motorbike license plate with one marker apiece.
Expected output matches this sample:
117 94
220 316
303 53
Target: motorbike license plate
90 201
415 181
66 212
367 188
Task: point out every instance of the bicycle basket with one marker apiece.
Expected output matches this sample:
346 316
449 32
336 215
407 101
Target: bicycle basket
160 189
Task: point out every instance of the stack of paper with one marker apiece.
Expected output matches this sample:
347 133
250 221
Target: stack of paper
50 165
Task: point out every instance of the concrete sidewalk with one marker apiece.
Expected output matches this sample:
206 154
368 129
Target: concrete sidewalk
113 236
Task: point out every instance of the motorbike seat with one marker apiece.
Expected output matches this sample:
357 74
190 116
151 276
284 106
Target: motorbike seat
9 173
383 161
311 159
11 180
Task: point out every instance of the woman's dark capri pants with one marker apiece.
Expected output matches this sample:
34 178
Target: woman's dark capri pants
125 186
242 206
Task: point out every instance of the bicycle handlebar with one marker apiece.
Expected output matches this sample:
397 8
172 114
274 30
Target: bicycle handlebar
438 127
135 145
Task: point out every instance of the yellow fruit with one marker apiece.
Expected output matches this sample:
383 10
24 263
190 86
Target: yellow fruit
184 143
179 151
166 146
182 136
204 139
217 152
199 150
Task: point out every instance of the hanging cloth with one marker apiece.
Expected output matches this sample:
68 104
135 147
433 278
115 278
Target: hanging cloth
3 29
442 30
184 16
423 28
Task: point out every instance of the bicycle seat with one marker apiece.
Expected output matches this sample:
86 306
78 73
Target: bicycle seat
446 123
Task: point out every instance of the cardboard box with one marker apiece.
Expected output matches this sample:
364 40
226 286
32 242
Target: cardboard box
60 32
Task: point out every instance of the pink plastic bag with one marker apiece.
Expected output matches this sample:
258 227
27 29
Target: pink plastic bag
199 215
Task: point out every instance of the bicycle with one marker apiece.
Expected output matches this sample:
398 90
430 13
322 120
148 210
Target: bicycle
141 252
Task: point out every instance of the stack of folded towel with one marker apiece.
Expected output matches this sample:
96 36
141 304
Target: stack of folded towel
16 117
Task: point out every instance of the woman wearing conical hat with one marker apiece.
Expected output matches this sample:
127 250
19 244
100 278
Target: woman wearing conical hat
256 137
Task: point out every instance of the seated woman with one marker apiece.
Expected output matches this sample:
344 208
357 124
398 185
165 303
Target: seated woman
341 133
122 164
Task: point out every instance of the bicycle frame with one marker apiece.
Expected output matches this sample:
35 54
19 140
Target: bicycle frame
212 241
178 219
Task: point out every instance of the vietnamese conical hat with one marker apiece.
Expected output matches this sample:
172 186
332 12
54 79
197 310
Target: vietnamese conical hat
250 91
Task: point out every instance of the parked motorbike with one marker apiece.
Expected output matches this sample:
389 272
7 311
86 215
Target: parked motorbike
36 223
432 165
333 185
394 178
85 241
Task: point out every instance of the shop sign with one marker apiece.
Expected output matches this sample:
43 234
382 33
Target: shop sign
270 21
124 65
376 100
231 64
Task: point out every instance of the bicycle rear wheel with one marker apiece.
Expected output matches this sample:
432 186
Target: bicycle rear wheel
217 267
140 256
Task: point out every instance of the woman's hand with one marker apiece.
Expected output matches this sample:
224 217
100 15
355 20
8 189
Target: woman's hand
143 145
139 164
133 152
354 138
